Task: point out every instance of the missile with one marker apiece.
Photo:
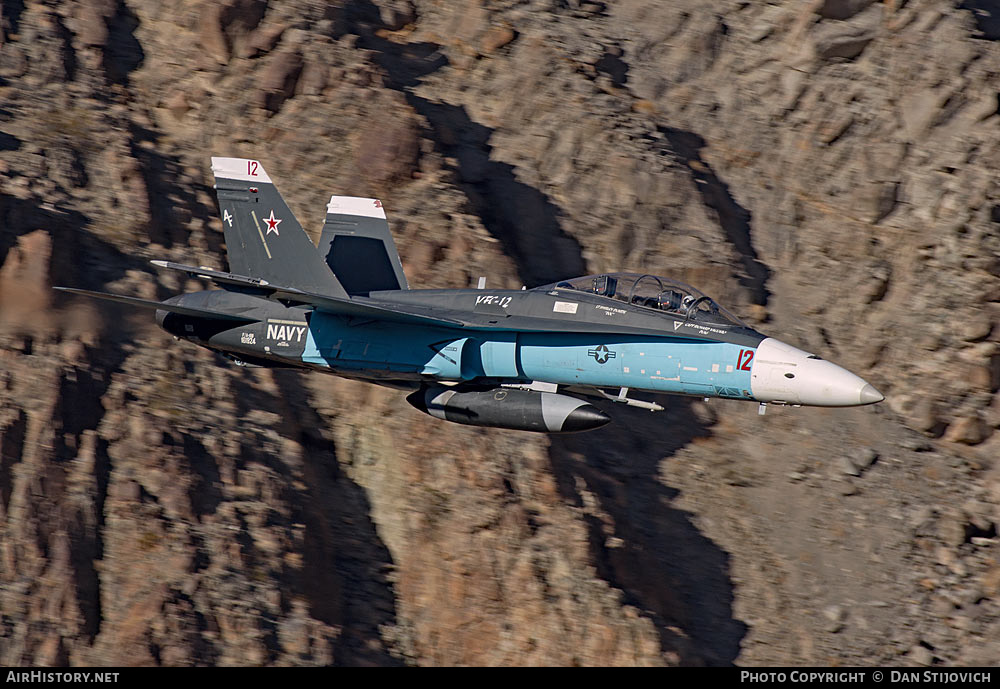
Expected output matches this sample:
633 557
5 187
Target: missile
520 410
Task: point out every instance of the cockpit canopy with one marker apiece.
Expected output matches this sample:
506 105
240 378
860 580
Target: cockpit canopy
652 292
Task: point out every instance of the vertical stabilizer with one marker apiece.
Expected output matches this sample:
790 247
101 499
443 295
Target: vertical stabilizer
263 238
358 248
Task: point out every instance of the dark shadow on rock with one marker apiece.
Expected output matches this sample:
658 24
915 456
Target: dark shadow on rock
734 218
341 535
522 218
79 411
204 492
651 551
11 452
80 258
67 53
173 200
183 611
85 550
612 65
9 142
345 565
10 16
665 566
123 54
986 14
87 547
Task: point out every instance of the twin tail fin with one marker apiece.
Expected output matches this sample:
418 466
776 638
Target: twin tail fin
263 238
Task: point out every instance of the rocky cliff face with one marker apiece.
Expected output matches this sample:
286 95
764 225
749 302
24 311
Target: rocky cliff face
828 169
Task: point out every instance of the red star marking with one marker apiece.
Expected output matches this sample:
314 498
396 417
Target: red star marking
272 223
378 204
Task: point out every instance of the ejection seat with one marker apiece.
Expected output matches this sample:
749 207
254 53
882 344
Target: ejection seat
605 285
669 300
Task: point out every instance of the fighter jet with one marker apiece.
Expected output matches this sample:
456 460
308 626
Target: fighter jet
519 359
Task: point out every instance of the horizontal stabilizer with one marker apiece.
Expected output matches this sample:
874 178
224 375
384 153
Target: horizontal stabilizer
216 276
159 306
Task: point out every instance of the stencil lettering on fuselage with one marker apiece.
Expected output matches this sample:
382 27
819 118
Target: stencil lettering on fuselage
286 333
494 300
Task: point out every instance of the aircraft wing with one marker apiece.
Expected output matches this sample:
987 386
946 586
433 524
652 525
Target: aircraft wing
159 306
335 305
354 308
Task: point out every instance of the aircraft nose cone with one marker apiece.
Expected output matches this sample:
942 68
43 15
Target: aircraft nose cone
869 395
782 373
584 418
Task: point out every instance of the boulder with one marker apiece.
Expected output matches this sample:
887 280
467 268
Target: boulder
841 9
278 82
847 39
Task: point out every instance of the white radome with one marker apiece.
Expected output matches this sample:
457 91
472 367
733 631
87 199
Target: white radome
782 373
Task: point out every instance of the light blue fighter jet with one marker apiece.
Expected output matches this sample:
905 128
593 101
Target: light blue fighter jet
518 359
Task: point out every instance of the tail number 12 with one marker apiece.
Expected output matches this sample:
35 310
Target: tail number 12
744 359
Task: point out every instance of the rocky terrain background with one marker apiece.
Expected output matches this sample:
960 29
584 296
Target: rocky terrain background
828 169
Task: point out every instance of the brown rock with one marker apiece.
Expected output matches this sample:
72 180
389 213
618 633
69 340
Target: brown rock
314 78
239 17
757 313
388 152
13 62
395 14
919 108
968 430
847 40
177 103
990 580
198 531
279 80
25 292
496 38
846 45
222 25
52 652
213 39
977 327
920 413
881 199
981 377
262 40
644 107
90 21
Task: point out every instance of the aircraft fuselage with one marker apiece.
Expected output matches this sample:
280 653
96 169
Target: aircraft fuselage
497 358
523 336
